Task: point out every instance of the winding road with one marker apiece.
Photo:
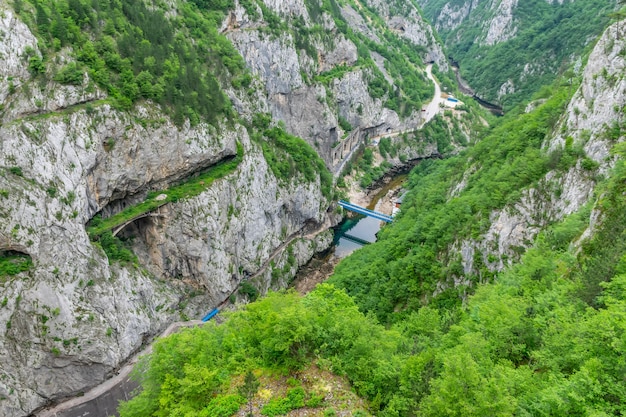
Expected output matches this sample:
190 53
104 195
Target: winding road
432 108
430 111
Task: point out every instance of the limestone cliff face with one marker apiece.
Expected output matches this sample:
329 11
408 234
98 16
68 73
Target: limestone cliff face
224 235
73 317
596 107
497 17
406 20
66 155
452 15
501 27
312 109
498 26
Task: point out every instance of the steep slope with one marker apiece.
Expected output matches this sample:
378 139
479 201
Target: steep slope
337 75
469 217
544 337
137 151
508 49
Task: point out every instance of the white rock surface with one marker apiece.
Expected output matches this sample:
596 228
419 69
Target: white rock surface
73 319
501 26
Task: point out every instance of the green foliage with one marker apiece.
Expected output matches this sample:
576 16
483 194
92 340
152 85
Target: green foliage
436 131
335 73
70 74
116 249
249 389
412 255
223 406
372 174
191 188
281 406
249 290
284 332
385 147
287 155
527 344
135 52
13 263
345 125
36 65
16 171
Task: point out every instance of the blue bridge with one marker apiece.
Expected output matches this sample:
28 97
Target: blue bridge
367 212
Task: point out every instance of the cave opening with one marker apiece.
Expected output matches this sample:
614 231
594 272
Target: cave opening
13 262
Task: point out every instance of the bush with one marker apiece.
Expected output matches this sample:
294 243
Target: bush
345 125
116 249
287 154
249 290
13 263
36 66
279 406
70 74
223 406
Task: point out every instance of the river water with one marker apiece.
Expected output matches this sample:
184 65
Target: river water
355 226
353 232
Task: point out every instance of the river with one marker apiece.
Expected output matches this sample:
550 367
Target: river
351 234
467 90
354 226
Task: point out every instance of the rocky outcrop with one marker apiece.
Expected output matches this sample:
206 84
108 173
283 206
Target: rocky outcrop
596 107
224 235
73 318
410 25
311 111
452 15
501 27
356 22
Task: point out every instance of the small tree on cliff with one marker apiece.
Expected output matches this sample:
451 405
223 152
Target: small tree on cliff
249 389
619 15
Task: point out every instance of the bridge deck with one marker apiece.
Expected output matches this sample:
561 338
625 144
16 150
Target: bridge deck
367 212
355 239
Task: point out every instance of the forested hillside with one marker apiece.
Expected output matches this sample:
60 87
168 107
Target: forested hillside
162 159
507 49
141 140
544 339
421 324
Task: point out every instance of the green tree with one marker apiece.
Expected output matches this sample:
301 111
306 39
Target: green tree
249 389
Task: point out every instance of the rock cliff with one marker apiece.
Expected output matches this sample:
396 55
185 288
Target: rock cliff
68 153
508 49
290 67
593 121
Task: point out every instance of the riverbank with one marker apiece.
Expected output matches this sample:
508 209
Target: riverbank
381 198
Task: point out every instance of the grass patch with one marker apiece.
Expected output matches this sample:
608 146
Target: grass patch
280 406
12 263
288 155
191 188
